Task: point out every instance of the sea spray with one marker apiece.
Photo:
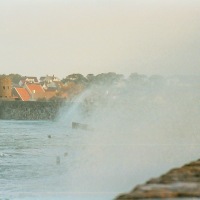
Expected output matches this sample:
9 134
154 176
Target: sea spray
139 132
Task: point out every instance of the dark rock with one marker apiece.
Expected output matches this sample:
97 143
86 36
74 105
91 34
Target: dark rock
76 125
177 183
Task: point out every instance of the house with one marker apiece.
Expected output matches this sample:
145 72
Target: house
35 90
49 79
31 90
50 82
28 79
21 94
51 85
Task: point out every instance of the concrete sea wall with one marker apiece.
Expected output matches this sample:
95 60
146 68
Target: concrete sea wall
30 110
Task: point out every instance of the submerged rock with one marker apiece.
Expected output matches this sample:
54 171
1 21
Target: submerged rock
76 125
177 183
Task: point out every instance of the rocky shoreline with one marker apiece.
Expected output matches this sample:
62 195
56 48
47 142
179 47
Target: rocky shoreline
183 182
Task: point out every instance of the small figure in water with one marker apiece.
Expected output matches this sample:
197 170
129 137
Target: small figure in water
58 160
65 154
49 136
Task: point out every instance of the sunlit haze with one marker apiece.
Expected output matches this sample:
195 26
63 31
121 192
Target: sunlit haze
94 134
93 36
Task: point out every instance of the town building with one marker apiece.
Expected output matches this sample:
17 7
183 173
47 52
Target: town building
21 94
5 88
28 79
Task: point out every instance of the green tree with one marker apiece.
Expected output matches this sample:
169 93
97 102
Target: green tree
90 78
76 78
108 78
15 78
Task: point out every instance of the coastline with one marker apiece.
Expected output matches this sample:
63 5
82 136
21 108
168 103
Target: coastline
183 182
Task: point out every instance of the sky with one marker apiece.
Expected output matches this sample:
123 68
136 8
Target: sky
61 37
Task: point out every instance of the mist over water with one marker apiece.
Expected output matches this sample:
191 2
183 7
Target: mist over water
138 130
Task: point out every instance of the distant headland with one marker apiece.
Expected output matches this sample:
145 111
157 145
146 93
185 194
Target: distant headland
51 88
27 97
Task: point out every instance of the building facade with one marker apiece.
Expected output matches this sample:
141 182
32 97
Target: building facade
5 88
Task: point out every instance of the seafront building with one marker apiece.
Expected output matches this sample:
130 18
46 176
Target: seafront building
30 89
5 88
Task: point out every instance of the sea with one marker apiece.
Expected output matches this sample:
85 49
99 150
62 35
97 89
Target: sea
125 145
49 160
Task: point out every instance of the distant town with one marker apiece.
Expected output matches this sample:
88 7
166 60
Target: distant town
46 88
15 87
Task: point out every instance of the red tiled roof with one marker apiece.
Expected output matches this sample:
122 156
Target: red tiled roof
23 93
35 88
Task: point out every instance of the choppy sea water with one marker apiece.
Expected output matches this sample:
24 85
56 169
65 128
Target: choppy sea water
93 164
29 166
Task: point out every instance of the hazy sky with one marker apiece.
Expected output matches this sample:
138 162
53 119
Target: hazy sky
60 37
